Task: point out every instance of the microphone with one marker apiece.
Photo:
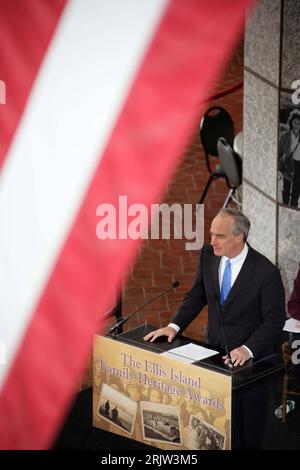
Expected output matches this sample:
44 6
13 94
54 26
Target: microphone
218 308
124 319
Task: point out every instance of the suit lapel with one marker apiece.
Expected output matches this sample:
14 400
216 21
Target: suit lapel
215 270
244 276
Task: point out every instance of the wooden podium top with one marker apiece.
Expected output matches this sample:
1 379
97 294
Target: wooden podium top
253 373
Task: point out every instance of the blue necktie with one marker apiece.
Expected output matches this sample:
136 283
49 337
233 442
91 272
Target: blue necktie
226 282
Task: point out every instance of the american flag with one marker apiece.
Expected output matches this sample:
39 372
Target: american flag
100 99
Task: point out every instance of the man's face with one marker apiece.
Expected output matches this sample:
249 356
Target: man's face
223 241
134 392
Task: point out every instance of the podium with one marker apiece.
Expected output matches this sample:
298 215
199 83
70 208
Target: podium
166 402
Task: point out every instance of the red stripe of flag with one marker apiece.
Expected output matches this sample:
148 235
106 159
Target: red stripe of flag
185 56
26 29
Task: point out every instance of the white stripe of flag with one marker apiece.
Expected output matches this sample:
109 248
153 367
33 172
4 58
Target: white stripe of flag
109 113
74 103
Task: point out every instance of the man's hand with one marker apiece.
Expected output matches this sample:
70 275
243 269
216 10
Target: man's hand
238 356
166 331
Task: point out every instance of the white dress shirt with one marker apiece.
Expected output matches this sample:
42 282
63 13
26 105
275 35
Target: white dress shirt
236 265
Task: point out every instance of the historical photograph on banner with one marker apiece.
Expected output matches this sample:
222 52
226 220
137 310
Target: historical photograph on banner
289 152
203 436
117 408
160 422
155 396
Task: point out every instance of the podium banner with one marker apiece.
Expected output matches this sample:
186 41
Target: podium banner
158 400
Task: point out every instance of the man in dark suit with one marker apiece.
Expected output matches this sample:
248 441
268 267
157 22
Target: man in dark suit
250 290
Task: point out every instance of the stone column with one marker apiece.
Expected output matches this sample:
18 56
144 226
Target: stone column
272 64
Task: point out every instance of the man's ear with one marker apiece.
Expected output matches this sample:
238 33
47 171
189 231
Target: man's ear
240 238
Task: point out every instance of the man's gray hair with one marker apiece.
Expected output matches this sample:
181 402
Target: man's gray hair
241 222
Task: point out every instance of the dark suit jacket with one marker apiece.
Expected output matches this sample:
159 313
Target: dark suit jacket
254 311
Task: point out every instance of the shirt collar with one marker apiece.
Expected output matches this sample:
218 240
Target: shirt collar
240 257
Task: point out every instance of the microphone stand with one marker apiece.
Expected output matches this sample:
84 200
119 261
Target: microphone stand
229 363
127 317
